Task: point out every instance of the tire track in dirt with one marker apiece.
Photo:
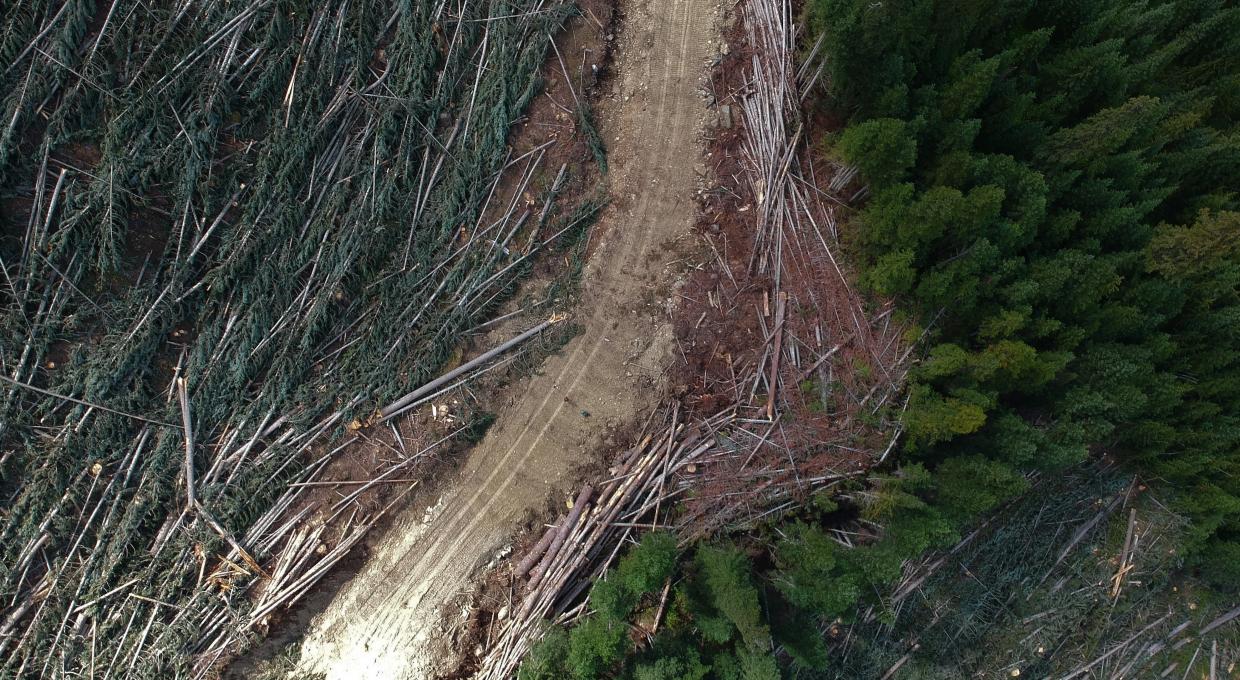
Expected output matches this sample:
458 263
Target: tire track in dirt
383 623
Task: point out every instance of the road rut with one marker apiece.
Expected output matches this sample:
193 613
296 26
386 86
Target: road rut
382 623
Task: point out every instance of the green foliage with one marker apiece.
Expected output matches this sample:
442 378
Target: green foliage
1053 194
812 574
1204 253
477 428
967 486
880 148
687 666
1053 183
612 598
752 608
262 198
546 660
595 646
799 637
729 595
757 664
893 273
1220 566
824 503
932 418
648 565
1032 586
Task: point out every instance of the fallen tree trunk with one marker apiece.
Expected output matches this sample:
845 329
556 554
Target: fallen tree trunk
399 405
537 551
565 528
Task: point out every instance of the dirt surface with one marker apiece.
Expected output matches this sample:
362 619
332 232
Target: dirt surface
387 622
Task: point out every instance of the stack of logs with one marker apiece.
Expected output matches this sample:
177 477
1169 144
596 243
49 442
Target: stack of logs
571 555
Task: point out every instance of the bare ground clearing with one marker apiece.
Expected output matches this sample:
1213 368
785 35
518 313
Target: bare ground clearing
385 622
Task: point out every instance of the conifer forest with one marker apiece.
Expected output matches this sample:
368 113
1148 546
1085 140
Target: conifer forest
939 371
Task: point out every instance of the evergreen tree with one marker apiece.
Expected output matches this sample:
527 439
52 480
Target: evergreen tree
1054 182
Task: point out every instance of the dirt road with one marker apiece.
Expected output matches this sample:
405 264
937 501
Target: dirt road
383 623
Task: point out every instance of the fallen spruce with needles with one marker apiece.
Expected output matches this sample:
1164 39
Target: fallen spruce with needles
237 229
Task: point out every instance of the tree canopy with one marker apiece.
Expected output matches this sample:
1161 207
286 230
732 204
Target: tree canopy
1054 182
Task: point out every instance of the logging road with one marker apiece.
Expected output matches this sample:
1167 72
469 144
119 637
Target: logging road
383 623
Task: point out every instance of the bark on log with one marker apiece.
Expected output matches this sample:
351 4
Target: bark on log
565 529
536 552
399 405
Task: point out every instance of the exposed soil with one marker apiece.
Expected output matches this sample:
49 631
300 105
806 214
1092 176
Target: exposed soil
719 330
547 129
834 414
717 322
388 620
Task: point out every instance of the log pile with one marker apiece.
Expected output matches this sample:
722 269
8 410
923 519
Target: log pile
827 374
580 548
765 451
